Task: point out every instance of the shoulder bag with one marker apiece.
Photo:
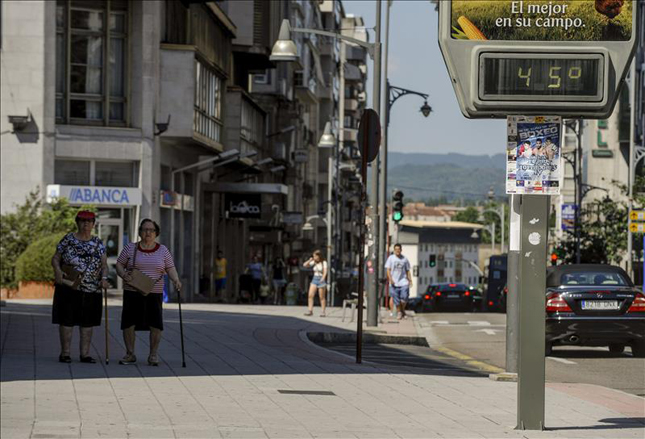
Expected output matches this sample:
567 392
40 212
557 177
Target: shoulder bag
140 281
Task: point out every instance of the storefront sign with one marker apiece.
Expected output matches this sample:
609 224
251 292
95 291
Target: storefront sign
169 199
292 218
243 205
97 195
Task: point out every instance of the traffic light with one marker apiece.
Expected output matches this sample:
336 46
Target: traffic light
397 206
554 258
433 260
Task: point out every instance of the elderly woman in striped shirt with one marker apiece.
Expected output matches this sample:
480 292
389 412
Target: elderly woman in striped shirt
144 312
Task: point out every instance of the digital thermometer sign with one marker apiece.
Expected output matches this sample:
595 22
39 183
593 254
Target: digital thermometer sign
540 77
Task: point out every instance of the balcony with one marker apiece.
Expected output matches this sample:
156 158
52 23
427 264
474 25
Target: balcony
254 20
245 122
191 95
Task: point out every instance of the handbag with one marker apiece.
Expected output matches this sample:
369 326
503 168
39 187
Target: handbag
140 281
71 277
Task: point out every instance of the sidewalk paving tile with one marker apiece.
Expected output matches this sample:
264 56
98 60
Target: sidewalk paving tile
238 359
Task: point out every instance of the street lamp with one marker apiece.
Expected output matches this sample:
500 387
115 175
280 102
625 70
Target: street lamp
501 214
328 140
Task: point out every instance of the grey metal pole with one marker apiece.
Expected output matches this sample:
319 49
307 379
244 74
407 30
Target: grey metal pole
534 231
579 189
502 213
341 145
383 231
512 282
330 182
373 237
632 165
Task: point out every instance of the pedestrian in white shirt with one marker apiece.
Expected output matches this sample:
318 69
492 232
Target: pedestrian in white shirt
399 278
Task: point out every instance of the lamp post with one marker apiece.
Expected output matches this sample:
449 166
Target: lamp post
392 93
328 140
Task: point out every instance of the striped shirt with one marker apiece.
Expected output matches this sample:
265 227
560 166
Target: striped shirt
154 263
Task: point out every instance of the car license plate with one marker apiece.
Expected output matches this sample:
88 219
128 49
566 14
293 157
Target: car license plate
600 304
453 296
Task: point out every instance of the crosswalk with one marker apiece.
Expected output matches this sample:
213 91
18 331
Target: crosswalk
469 323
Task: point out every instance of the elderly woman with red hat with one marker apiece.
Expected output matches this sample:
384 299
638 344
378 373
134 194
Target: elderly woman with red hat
80 269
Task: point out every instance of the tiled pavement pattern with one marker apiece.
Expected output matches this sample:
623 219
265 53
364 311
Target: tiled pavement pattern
238 360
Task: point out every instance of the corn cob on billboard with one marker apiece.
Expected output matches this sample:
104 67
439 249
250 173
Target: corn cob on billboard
542 20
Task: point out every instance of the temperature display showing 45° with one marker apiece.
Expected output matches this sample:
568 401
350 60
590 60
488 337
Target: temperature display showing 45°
541 77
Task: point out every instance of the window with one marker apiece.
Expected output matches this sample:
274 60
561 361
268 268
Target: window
91 61
72 172
208 102
252 123
262 78
116 174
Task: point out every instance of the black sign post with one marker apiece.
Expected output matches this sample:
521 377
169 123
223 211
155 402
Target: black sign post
369 140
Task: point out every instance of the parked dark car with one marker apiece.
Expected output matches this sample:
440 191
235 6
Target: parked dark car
450 296
594 305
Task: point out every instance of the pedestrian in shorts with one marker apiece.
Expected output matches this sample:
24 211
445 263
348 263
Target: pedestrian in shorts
400 279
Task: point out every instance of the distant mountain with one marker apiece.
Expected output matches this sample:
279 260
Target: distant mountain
396 159
454 176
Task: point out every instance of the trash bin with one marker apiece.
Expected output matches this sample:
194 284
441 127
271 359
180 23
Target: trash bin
291 294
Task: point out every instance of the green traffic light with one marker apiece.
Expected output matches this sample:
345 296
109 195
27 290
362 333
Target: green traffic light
397 216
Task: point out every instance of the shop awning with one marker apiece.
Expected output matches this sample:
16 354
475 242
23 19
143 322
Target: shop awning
248 188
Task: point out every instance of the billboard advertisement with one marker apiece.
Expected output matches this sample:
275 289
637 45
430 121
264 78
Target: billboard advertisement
541 20
534 159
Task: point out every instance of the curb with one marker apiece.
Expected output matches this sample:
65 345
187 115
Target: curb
369 338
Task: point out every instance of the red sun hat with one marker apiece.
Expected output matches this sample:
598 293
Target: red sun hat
86 215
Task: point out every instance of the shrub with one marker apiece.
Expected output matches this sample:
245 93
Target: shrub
34 264
31 221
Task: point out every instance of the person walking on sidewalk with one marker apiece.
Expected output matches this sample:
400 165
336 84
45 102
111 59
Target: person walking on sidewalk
80 270
400 279
144 312
278 280
256 270
318 283
220 274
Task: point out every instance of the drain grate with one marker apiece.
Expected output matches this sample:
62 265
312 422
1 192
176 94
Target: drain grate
307 392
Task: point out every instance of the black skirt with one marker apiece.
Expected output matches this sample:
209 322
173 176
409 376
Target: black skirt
76 308
142 312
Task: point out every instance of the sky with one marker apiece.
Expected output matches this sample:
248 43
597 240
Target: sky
416 63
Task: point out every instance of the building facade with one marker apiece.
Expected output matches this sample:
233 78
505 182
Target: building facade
452 246
171 110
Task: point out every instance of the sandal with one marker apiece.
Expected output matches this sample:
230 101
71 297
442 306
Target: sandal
322 314
309 313
64 358
153 360
88 359
128 359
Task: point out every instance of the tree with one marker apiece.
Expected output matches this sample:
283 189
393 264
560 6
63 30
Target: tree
469 215
603 233
31 221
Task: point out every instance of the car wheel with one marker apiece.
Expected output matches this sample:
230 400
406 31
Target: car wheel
638 349
418 309
548 349
616 348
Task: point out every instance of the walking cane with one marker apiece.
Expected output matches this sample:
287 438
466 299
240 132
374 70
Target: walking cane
181 330
107 351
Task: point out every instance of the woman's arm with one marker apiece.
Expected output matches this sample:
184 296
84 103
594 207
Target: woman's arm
174 277
308 262
122 272
58 272
324 274
104 272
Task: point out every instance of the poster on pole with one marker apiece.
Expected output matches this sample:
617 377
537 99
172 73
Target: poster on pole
568 216
534 160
